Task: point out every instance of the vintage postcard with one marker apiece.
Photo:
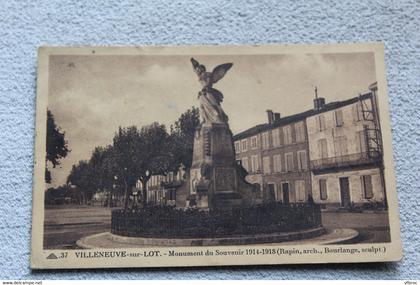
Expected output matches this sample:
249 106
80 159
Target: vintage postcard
213 155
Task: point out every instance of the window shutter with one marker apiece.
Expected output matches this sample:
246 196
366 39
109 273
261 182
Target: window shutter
266 165
362 142
277 163
300 189
303 160
367 186
339 117
356 113
323 189
322 148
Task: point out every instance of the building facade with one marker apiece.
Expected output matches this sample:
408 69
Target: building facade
162 189
331 154
275 156
345 150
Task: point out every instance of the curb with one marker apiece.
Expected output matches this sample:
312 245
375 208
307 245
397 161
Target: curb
319 236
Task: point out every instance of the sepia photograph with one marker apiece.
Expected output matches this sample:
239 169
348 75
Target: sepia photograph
177 156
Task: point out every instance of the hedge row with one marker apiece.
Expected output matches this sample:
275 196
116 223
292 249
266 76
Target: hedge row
168 222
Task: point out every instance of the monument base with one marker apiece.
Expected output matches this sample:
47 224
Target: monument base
215 178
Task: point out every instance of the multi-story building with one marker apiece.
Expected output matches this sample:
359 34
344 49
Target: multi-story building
332 152
345 150
276 158
162 189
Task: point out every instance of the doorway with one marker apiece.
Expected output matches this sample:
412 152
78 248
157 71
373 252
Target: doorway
345 192
285 187
271 192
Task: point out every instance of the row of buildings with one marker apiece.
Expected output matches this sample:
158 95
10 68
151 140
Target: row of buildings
331 153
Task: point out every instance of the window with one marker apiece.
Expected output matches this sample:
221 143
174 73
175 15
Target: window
172 194
357 112
275 134
266 165
300 132
265 140
257 188
244 146
300 190
289 162
339 117
254 142
237 147
245 163
277 163
302 162
361 141
321 122
367 186
278 193
287 134
340 146
285 187
323 189
322 148
271 191
255 163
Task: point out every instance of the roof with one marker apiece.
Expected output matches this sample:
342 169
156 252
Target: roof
298 117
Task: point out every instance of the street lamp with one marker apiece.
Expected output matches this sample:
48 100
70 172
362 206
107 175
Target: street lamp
146 190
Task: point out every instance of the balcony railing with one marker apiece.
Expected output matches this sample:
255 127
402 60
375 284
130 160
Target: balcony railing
346 160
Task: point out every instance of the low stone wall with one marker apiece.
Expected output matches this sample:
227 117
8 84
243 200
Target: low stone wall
168 222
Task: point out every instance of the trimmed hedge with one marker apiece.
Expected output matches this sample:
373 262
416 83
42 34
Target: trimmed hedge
168 222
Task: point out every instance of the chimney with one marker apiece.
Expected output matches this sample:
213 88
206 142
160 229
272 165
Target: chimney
276 117
319 102
373 87
270 116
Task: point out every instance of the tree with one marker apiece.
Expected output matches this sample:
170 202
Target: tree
82 176
103 167
56 195
137 155
140 154
95 174
182 138
57 147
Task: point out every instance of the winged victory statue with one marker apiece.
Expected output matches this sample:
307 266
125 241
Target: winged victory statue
210 98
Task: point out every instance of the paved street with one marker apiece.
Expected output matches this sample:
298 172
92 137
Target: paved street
64 226
372 226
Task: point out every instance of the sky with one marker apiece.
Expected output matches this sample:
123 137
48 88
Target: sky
91 96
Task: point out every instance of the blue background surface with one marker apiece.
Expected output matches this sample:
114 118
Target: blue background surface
25 25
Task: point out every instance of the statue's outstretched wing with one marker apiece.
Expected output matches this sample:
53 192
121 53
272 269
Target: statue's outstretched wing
220 71
194 63
198 68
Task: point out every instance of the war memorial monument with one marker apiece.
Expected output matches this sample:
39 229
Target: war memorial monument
221 208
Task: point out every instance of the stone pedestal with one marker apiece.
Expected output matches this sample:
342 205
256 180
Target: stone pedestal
215 181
